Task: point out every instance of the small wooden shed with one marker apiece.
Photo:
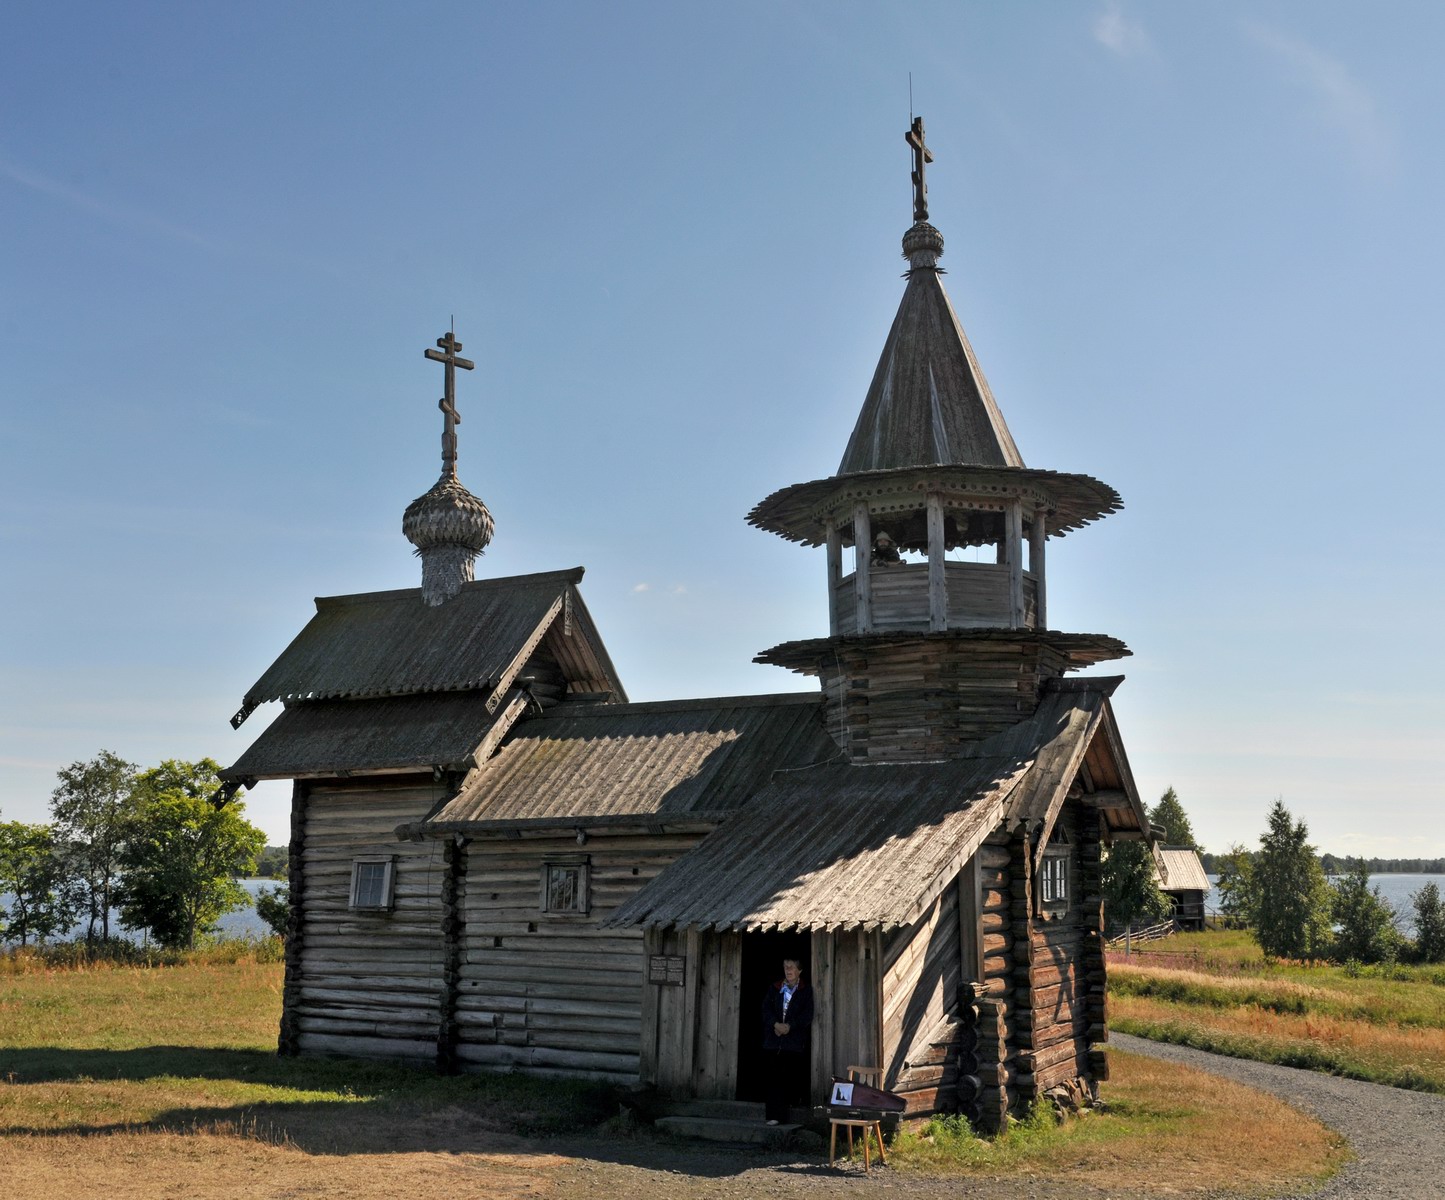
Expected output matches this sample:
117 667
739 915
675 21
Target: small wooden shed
1182 878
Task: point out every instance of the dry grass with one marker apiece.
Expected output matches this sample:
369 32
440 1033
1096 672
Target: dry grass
1166 1125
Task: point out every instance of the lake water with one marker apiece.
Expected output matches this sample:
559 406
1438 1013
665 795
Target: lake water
1396 889
241 923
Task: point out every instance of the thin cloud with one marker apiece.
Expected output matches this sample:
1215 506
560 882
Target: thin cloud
1341 101
115 214
642 587
1116 31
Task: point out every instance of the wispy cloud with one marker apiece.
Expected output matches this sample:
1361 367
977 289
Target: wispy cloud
1341 101
642 587
1115 30
115 214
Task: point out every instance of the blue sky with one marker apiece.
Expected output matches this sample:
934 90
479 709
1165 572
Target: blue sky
1196 246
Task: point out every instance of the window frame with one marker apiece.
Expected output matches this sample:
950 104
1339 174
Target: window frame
388 883
1054 881
582 864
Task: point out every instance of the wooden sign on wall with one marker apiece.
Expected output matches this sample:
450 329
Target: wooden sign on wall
666 969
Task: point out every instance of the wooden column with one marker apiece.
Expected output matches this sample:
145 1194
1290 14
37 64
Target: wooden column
1014 556
288 1042
835 572
937 580
970 912
863 566
1021 1022
1038 533
454 935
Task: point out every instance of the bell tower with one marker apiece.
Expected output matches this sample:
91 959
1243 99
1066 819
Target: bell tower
928 649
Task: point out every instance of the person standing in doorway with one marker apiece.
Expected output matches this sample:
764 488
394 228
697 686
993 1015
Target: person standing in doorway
787 1017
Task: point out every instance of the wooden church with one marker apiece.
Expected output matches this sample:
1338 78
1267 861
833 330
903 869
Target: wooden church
498 862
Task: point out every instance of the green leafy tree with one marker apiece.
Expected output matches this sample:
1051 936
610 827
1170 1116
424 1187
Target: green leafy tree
273 905
1236 884
43 899
1366 923
1429 924
1131 886
1170 814
183 854
91 810
1291 898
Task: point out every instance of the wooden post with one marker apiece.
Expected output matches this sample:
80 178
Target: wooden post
835 573
288 1041
454 937
863 566
1014 556
937 580
1038 532
970 907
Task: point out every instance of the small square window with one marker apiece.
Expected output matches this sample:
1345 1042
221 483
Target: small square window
564 887
371 883
1054 881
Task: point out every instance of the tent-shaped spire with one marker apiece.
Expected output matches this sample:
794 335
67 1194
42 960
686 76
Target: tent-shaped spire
929 402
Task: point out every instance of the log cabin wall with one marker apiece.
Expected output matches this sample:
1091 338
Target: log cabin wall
848 997
996 928
914 699
551 993
361 982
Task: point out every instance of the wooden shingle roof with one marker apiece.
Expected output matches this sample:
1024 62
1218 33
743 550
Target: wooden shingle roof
1180 869
693 760
390 643
842 846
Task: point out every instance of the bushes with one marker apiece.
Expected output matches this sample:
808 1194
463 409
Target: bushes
106 953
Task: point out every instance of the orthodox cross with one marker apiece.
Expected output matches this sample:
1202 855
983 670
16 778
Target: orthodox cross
448 403
921 155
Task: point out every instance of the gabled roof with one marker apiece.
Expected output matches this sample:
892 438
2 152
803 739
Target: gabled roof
1180 869
843 846
692 760
391 643
929 401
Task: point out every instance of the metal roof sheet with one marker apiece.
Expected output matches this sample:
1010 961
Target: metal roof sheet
390 643
330 737
677 758
1180 869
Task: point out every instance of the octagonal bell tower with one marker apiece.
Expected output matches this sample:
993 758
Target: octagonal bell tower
926 649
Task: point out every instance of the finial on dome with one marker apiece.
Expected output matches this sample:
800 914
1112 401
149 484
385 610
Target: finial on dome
922 244
448 525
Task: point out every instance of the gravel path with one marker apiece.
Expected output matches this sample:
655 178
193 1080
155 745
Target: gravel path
1397 1136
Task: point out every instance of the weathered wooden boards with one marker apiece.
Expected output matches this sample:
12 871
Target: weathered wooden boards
973 595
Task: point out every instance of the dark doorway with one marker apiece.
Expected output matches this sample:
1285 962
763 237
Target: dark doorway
762 966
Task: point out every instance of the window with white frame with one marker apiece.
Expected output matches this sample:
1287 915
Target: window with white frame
371 883
564 887
1053 882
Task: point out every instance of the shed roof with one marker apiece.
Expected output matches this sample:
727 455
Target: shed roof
392 733
842 845
391 643
929 401
1180 869
692 759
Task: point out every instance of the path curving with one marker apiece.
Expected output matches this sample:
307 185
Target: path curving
1398 1136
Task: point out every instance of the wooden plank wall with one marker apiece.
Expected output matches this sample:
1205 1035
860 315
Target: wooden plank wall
848 991
368 983
690 1033
922 972
550 994
978 597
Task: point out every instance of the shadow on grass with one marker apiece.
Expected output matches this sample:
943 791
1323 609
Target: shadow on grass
367 1108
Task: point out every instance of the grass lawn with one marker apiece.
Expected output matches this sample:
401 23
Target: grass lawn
121 1081
1215 991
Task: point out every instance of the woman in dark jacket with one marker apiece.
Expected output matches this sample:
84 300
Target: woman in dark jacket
787 1017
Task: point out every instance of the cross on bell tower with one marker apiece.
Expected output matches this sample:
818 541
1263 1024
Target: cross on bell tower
922 155
448 403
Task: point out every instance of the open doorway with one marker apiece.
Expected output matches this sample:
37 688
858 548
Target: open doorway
762 966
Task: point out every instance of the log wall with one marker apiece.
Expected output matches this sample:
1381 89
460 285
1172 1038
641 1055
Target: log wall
552 993
916 699
364 983
922 974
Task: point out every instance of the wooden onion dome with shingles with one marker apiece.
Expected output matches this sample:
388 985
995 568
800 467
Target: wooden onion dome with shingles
447 524
931 468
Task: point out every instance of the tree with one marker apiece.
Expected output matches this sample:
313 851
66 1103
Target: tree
42 900
1429 924
1291 899
1171 815
183 854
1131 886
273 905
1236 884
1366 922
91 808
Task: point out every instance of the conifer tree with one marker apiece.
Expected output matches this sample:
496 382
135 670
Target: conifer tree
1291 897
1169 813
